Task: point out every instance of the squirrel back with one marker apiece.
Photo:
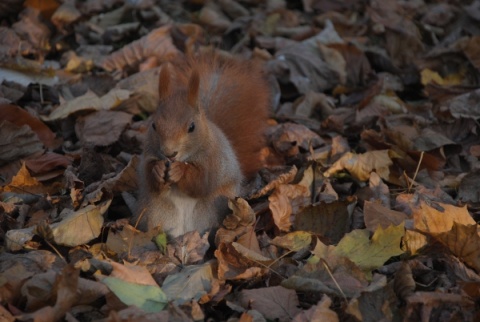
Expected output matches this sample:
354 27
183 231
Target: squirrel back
236 97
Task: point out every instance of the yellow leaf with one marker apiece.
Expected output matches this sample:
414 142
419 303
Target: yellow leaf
429 219
430 76
370 254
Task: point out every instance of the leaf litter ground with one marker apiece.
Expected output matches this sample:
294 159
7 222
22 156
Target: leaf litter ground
366 210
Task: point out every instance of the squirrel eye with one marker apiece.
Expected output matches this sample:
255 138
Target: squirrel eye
154 126
191 127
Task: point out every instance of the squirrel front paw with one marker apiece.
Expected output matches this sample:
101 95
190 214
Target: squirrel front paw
177 171
157 174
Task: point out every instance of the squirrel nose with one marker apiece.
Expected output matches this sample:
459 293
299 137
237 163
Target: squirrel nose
173 155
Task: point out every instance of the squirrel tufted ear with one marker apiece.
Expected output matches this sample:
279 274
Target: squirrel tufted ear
164 81
193 88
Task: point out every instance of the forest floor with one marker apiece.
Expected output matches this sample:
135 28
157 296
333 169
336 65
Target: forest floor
366 209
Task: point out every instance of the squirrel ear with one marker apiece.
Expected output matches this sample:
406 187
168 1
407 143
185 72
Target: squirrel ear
193 87
164 81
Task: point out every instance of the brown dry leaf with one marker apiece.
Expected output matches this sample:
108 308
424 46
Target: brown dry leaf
46 7
431 220
48 162
102 128
157 43
189 248
132 273
361 165
400 31
17 142
32 28
423 303
127 238
403 283
88 102
233 265
378 215
239 226
65 15
463 241
303 62
464 105
23 182
471 49
357 64
81 226
125 180
65 291
191 284
329 220
11 44
274 302
244 236
18 239
469 187
212 16
243 214
320 312
16 270
282 179
286 201
19 117
288 138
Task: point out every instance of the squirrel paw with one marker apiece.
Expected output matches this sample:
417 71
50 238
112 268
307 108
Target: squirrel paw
158 174
177 171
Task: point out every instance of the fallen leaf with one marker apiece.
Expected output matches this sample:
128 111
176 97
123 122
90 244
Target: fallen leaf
190 284
294 241
330 220
157 43
147 297
463 241
189 248
432 220
88 102
377 215
370 254
20 117
81 226
320 312
102 128
17 142
361 165
285 201
274 302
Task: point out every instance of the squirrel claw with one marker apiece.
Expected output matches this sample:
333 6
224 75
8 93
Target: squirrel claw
176 171
158 172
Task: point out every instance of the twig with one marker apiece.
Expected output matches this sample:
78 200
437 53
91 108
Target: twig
334 280
416 171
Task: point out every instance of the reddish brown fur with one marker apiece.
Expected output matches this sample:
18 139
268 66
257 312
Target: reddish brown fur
236 97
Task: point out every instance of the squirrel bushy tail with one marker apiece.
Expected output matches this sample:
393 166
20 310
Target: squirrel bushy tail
236 97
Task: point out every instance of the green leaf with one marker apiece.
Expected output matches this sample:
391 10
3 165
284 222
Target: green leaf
161 242
146 297
370 254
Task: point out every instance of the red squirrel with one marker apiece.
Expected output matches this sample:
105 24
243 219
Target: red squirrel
203 141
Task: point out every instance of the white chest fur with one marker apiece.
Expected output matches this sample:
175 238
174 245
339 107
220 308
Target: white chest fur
184 209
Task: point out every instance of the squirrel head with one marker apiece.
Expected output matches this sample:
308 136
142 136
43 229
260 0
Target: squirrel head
179 126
